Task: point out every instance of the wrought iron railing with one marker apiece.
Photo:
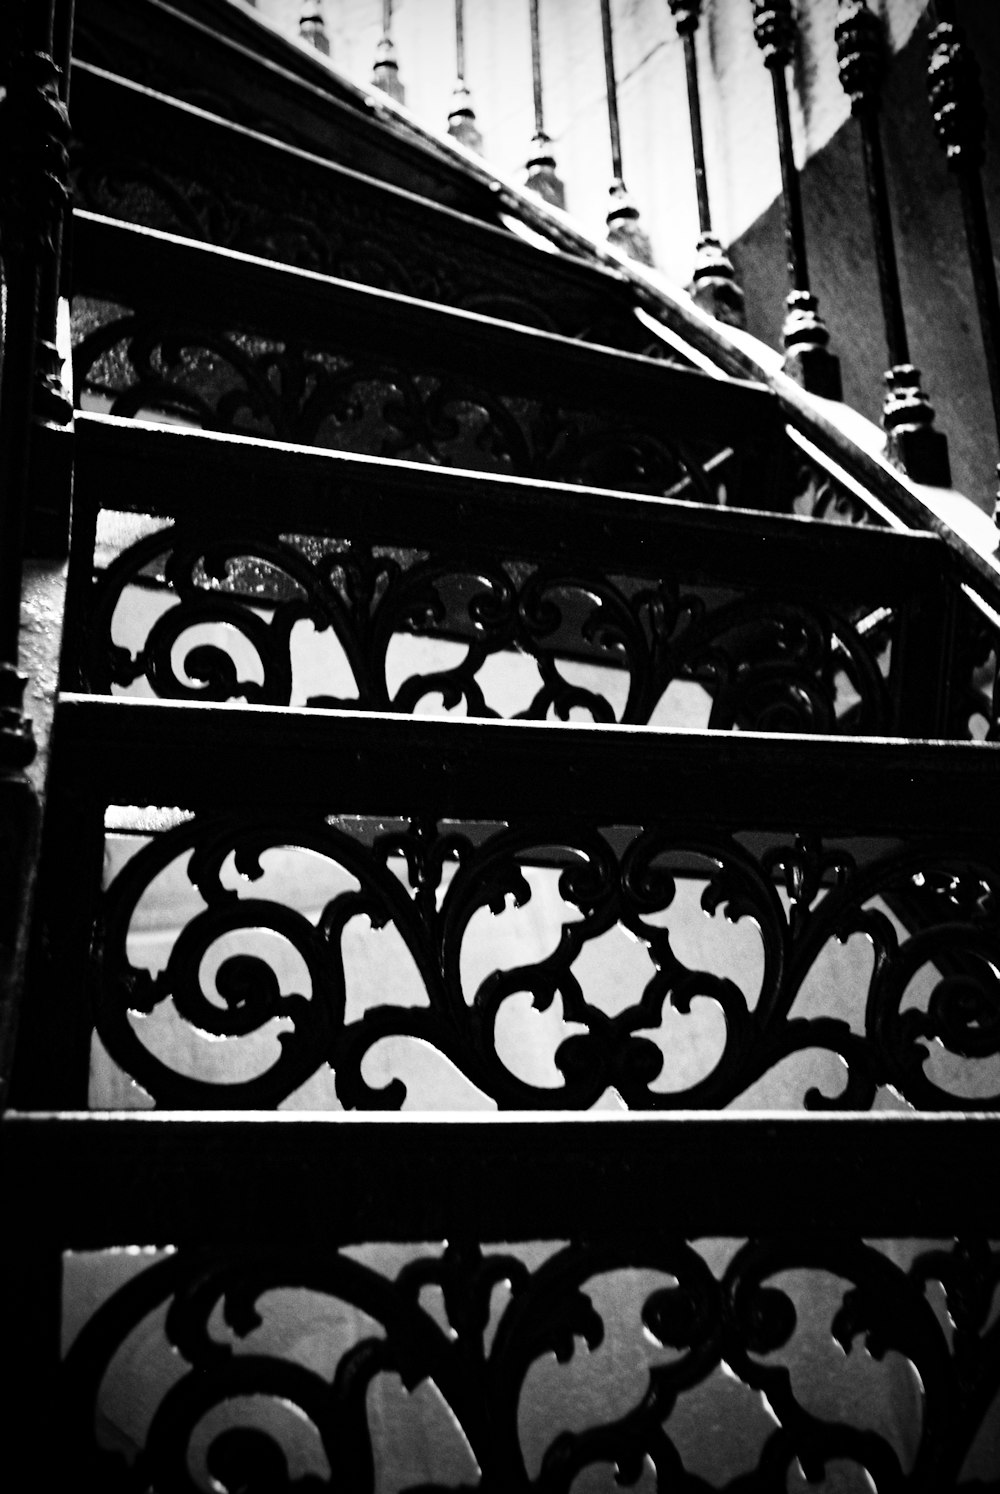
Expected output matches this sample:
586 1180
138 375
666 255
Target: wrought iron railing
473 1256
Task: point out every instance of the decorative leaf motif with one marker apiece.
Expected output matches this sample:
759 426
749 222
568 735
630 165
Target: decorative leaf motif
452 879
703 1320
251 592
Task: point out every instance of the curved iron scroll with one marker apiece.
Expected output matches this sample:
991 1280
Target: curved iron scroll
745 1315
921 1017
767 662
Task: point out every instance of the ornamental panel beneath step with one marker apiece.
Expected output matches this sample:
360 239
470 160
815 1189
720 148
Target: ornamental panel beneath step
248 960
283 619
783 1362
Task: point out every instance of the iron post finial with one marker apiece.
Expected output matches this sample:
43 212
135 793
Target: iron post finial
806 338
686 14
774 30
860 38
385 70
624 229
912 443
312 27
714 286
540 174
462 119
956 97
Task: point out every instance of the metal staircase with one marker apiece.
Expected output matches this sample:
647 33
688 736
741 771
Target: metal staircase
347 449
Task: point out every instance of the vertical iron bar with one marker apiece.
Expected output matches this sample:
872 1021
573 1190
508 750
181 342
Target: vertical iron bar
807 356
312 28
536 67
460 39
612 89
694 114
795 227
912 443
385 69
462 116
714 286
623 215
956 100
541 165
896 341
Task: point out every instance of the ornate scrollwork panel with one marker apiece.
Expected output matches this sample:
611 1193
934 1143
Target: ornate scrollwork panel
545 966
219 380
186 613
661 1364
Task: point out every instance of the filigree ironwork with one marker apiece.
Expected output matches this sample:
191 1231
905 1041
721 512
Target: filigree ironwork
923 1017
765 662
254 385
751 1315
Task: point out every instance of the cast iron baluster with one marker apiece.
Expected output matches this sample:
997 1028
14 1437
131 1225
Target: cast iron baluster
908 416
960 124
623 215
714 285
541 165
385 71
34 133
312 28
461 116
807 356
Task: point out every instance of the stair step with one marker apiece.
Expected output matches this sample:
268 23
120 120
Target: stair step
207 756
767 612
215 55
234 342
230 1179
182 474
154 161
424 826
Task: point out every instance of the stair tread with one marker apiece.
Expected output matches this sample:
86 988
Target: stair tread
168 471
267 191
230 1177
196 754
